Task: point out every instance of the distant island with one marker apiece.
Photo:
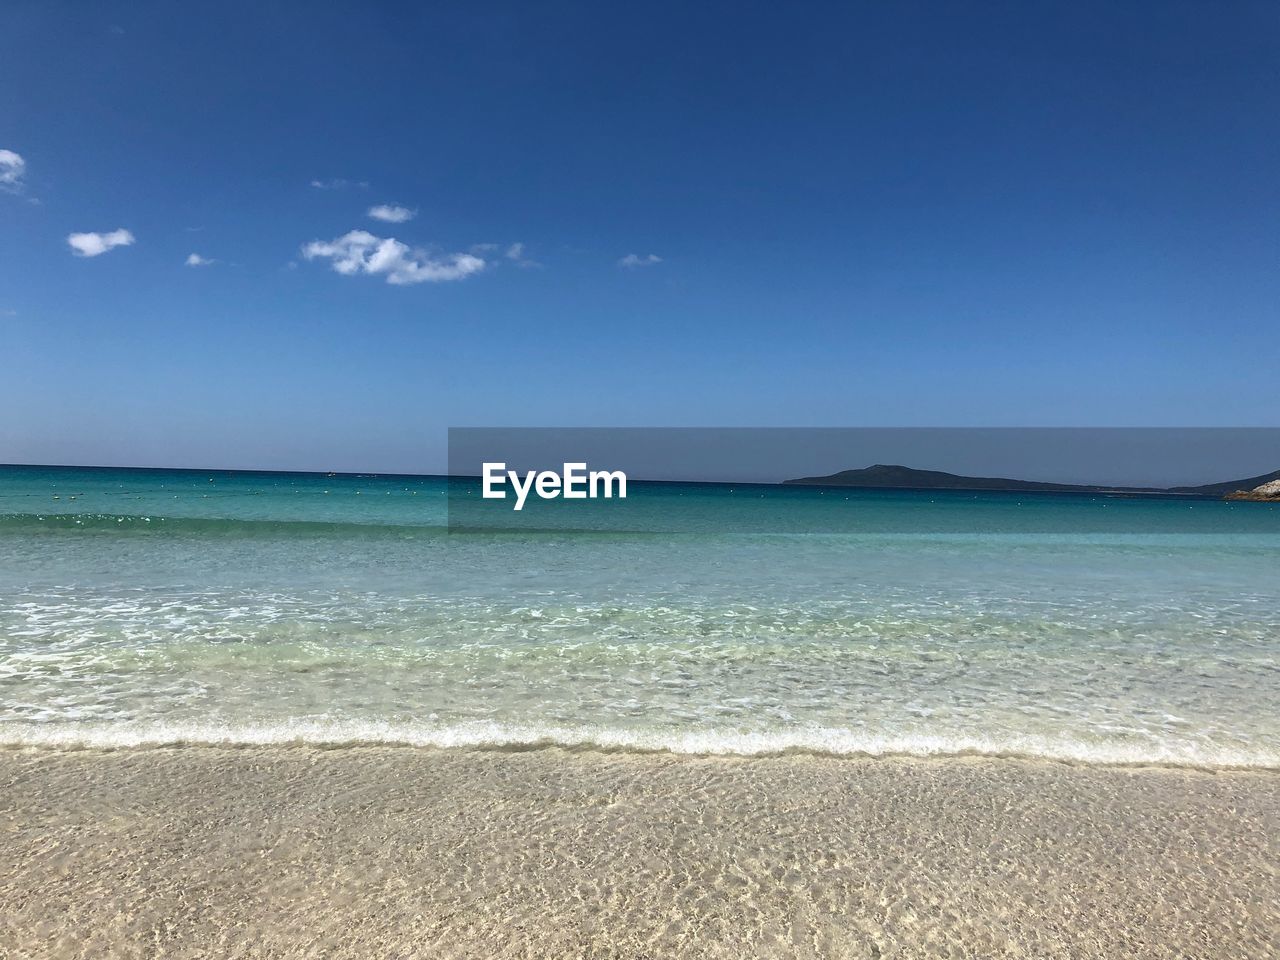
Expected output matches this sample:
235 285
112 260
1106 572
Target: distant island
894 476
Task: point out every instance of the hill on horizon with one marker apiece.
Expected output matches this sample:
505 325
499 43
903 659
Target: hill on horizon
897 476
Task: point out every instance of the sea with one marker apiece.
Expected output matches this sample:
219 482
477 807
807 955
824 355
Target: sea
155 607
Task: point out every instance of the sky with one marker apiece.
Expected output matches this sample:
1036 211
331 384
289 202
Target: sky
314 236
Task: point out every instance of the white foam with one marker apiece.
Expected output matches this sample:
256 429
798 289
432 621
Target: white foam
708 742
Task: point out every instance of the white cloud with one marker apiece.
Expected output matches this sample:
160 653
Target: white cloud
516 254
392 213
195 260
92 244
633 260
361 252
338 183
12 169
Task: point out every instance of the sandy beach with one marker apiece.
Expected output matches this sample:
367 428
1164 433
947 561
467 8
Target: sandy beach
404 852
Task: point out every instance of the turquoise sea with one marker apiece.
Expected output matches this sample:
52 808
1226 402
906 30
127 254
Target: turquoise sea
158 606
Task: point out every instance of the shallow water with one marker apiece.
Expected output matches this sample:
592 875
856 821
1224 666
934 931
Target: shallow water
163 606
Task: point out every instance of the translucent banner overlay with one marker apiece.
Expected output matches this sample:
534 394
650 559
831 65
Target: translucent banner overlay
861 481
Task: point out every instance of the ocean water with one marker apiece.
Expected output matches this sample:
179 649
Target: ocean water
147 607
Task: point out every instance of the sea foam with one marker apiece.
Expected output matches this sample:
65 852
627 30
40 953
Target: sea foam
487 735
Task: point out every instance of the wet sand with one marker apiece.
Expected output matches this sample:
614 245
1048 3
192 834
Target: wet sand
396 852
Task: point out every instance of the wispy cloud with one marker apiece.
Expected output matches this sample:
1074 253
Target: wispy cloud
195 260
93 244
361 252
518 254
392 213
633 260
338 183
12 171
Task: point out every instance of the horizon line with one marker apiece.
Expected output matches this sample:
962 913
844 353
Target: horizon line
1182 490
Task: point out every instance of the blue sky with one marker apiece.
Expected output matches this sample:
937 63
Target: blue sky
726 214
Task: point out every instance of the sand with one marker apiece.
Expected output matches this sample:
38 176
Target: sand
398 852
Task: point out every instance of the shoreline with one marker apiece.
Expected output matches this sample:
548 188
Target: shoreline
890 751
379 851
783 741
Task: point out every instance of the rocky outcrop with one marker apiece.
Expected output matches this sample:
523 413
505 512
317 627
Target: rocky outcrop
1268 491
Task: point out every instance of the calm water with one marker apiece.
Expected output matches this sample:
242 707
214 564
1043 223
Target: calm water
163 606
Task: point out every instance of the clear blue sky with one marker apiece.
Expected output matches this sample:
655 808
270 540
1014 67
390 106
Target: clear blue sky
863 213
